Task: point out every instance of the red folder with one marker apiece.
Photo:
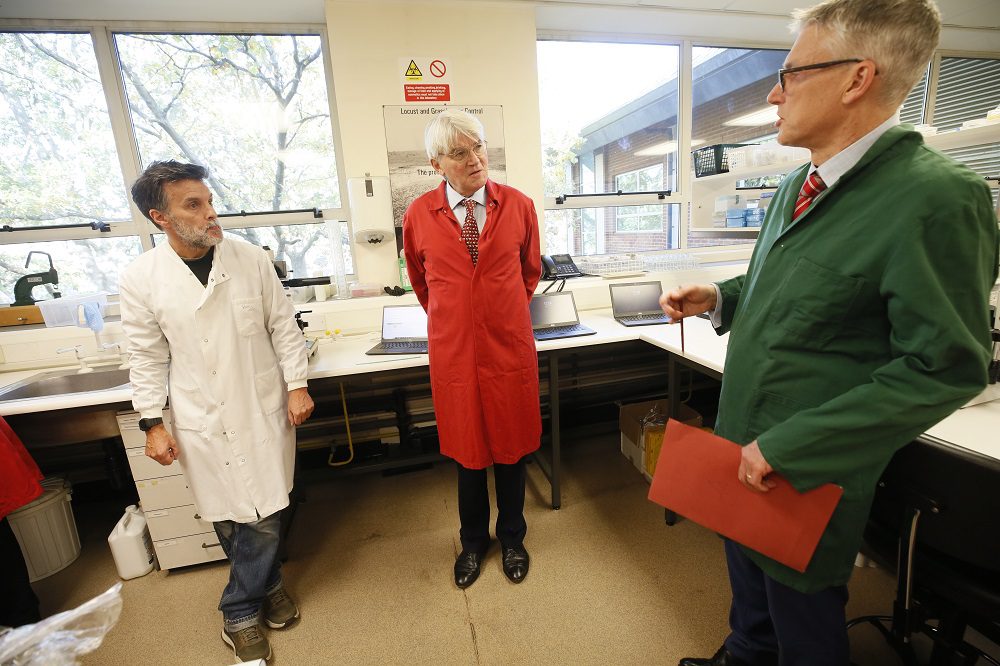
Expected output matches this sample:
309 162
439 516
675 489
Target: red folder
696 477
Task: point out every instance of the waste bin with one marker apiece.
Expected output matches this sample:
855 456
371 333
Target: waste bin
46 530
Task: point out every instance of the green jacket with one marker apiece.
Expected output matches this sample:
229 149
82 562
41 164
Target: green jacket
858 327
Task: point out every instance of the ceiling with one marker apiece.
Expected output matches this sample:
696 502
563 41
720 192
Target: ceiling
976 14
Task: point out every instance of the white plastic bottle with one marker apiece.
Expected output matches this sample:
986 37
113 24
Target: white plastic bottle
131 546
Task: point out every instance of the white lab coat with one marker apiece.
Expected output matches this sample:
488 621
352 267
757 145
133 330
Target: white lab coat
231 351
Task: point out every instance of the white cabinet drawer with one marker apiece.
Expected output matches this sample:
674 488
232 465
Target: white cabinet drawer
184 551
175 522
164 493
143 467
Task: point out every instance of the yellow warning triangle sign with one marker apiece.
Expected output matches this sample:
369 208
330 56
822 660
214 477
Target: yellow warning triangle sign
413 70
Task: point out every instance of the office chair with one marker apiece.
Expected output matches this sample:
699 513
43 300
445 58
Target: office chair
936 518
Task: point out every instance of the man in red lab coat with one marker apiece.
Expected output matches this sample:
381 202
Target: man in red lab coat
471 249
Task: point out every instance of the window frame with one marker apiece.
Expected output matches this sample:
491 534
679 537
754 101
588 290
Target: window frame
633 211
102 36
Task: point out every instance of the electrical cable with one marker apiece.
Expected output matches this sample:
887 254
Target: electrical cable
347 425
561 281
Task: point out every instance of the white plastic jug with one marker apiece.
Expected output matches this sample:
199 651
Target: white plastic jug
131 546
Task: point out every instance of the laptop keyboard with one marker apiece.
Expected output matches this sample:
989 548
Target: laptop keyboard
561 331
647 317
411 345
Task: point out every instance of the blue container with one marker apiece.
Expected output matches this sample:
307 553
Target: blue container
753 217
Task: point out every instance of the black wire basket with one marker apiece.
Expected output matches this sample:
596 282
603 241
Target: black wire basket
710 160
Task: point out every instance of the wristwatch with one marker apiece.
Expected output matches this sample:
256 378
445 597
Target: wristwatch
146 425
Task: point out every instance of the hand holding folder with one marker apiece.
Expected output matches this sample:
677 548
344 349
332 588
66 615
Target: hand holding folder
696 477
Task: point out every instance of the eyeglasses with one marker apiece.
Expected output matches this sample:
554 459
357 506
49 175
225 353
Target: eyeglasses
462 154
819 65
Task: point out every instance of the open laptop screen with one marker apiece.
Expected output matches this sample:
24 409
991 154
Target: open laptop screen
548 310
636 298
404 322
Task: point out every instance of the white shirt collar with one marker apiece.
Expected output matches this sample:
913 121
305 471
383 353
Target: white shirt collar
835 167
454 198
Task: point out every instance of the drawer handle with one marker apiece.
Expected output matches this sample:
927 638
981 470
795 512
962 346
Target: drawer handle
209 545
197 516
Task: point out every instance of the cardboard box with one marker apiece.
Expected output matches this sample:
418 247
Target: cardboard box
636 441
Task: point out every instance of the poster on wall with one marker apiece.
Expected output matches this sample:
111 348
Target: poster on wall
410 171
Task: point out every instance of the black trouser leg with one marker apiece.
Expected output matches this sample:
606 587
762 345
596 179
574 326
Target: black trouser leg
511 526
18 603
473 509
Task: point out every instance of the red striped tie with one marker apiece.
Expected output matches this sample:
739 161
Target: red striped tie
812 187
470 232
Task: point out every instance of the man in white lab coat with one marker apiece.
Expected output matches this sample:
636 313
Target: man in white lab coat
211 319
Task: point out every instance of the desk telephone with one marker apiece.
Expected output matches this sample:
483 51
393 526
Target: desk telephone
558 266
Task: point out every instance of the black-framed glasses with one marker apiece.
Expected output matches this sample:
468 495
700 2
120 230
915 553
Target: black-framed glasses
462 154
805 68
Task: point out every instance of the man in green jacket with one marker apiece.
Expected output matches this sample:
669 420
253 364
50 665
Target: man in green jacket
862 318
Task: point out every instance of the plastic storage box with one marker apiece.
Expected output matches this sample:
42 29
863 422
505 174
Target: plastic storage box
65 311
46 530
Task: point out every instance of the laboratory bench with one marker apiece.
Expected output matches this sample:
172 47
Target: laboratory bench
342 360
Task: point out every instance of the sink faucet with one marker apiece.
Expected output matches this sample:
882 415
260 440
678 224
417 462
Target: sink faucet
79 357
122 354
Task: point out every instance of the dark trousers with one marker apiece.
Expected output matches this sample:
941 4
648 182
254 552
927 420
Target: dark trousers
474 506
772 623
18 603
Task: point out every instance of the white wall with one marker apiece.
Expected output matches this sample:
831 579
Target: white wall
490 51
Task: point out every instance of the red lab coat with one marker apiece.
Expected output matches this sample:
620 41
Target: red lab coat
483 363
18 472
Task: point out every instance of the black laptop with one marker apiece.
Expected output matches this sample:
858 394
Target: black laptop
404 331
554 316
637 303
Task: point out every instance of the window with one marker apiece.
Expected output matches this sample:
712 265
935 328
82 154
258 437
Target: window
58 167
622 139
253 108
729 91
639 218
968 88
914 105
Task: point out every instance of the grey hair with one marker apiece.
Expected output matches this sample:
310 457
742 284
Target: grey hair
898 35
147 190
442 132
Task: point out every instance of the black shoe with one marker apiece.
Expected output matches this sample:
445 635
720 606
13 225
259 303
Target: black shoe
515 563
721 658
467 567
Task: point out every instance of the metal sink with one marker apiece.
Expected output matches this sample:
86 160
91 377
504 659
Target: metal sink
62 382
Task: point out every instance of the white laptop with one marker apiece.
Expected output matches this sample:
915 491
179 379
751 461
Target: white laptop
404 331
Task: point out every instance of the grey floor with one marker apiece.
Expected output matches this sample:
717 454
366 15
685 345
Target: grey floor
370 566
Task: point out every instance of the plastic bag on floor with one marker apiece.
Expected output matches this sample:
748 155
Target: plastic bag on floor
60 639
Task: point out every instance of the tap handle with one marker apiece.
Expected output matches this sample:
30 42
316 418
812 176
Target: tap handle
74 348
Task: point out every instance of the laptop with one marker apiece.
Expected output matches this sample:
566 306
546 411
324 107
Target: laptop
554 316
637 303
404 331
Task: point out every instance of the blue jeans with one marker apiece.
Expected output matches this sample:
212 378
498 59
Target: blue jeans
254 568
